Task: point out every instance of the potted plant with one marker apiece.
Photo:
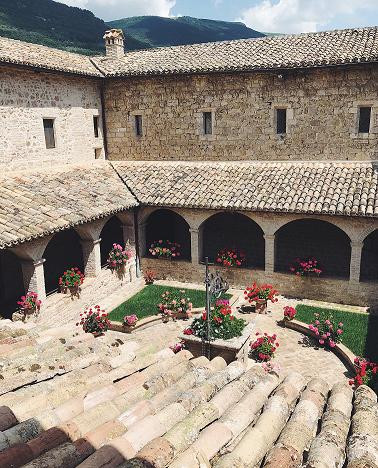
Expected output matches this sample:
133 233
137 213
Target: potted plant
289 313
306 267
366 373
165 249
175 304
94 320
264 347
29 304
129 321
118 258
260 295
149 277
326 330
230 258
71 280
224 325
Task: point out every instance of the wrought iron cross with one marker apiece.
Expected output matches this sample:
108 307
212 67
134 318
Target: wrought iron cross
215 287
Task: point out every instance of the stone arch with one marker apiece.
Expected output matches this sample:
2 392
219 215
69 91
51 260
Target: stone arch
302 238
369 258
62 252
11 282
111 233
167 224
233 230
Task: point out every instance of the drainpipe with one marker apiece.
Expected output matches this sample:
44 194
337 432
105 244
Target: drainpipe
103 118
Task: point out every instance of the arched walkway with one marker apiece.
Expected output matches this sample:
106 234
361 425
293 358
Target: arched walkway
11 283
236 231
369 258
62 252
111 234
313 238
168 225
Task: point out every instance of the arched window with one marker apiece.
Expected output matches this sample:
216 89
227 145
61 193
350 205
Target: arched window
313 238
369 258
11 283
111 234
233 231
62 252
168 225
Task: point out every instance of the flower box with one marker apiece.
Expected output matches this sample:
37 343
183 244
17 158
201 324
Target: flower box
235 349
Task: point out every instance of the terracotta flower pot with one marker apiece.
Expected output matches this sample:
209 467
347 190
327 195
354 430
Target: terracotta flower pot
261 305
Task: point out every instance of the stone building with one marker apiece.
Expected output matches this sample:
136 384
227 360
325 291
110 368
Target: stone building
269 145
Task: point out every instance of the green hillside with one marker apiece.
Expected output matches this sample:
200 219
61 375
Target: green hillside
156 31
58 25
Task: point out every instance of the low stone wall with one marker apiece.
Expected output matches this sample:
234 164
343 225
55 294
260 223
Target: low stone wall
107 290
322 289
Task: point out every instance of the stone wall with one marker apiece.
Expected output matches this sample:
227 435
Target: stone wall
26 97
321 289
322 108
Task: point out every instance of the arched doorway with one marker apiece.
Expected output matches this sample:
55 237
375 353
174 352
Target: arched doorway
369 258
111 234
234 231
62 252
168 225
313 238
11 283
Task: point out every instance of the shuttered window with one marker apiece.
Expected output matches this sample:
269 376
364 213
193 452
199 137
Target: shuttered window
207 123
364 120
281 121
48 127
138 125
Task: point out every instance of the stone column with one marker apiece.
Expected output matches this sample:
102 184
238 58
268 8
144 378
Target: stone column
91 256
34 277
269 253
129 238
195 246
355 261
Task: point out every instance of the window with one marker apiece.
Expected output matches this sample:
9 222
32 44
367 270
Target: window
207 123
138 125
364 119
48 127
95 125
280 121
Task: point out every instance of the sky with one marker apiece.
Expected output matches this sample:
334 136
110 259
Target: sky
284 16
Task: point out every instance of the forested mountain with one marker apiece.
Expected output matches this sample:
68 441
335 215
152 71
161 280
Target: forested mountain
58 25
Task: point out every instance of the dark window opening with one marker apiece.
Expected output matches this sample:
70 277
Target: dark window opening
364 120
281 121
48 126
138 125
207 123
95 125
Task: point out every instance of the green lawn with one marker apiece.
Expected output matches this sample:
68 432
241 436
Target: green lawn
360 330
144 303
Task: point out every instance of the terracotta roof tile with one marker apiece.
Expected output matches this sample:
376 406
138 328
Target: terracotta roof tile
37 203
38 56
334 188
330 48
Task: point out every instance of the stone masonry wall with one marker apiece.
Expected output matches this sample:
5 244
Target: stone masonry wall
322 107
26 97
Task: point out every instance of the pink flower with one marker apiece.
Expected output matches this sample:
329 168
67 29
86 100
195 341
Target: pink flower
332 343
321 342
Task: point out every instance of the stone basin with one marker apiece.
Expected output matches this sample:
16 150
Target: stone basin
236 349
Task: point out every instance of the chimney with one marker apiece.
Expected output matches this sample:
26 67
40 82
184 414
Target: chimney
114 43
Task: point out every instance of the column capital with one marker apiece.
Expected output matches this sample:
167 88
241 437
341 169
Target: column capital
194 230
269 236
356 243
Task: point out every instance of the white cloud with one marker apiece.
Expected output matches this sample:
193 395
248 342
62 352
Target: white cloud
293 16
116 9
